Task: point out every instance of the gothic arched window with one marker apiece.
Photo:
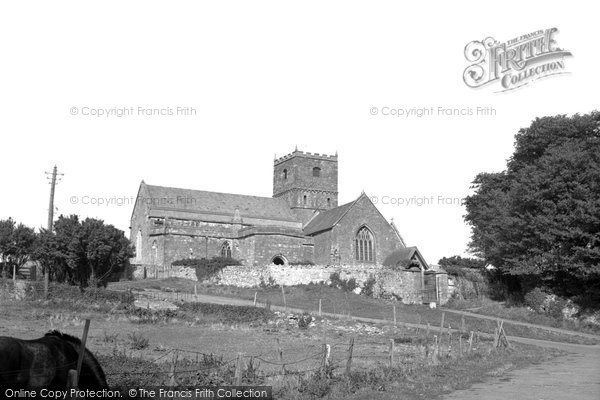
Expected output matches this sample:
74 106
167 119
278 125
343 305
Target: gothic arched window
316 171
226 250
285 174
363 244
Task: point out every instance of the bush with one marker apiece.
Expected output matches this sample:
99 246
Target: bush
369 286
206 268
226 313
536 299
138 341
100 295
304 320
347 285
270 283
555 306
76 294
318 384
149 316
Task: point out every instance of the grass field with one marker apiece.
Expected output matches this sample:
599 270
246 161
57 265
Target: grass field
307 297
138 347
497 309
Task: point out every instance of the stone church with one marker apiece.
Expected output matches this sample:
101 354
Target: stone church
301 224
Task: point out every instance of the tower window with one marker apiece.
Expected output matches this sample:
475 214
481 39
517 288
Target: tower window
226 250
304 200
328 202
316 171
363 244
285 174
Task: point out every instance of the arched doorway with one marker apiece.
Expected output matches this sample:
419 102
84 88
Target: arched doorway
279 260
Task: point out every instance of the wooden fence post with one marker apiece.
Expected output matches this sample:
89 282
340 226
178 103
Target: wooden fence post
449 341
436 350
391 353
462 323
14 273
470 341
428 329
283 294
394 315
239 370
255 294
349 362
326 354
86 328
442 324
268 305
280 350
319 307
172 376
195 292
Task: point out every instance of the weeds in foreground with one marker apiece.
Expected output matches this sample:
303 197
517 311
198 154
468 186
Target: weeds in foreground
138 341
108 337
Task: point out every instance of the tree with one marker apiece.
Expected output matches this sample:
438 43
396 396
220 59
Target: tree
6 228
461 262
107 250
85 253
16 245
539 220
48 253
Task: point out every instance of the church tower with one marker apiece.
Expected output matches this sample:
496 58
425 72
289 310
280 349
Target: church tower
308 182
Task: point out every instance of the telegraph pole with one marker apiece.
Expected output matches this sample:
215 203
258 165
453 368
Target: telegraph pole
52 178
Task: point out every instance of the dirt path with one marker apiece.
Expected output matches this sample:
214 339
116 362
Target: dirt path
513 322
572 377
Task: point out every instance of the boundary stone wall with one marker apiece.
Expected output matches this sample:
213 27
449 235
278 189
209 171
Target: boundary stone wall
403 285
142 271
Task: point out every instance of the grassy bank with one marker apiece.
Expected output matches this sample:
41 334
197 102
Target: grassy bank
307 297
140 347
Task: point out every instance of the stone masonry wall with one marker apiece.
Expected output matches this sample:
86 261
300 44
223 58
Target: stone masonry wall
403 285
160 272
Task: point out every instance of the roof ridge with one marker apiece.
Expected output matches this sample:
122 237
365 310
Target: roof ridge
215 192
180 200
317 220
350 204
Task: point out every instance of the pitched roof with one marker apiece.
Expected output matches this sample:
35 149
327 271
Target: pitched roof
327 219
405 254
188 200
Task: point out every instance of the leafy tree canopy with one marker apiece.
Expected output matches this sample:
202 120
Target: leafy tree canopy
84 252
539 220
16 245
461 262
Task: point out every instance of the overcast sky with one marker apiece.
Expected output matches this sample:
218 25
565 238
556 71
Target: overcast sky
264 77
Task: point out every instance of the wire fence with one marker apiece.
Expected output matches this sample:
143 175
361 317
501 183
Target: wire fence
330 356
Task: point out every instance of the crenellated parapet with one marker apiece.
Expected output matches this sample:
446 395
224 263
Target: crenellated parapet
298 153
